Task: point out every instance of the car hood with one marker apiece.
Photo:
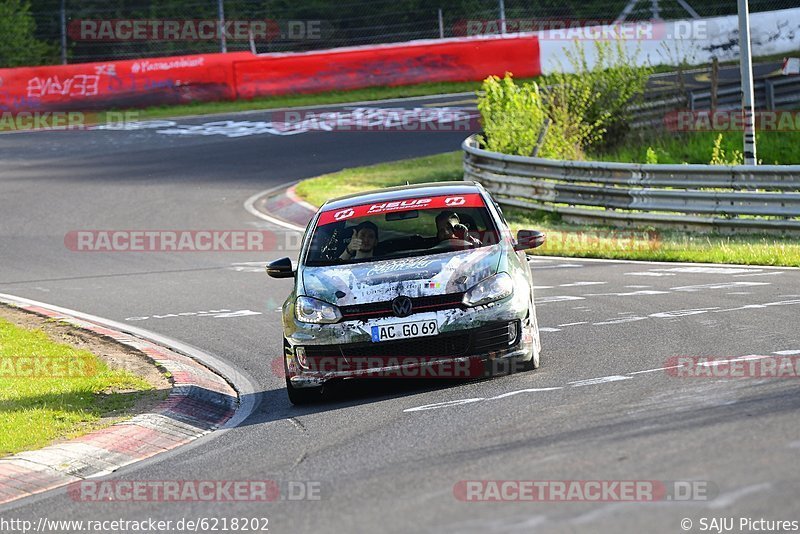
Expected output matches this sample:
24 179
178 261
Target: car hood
378 281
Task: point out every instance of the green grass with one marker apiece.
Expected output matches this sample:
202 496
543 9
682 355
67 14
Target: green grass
773 148
36 410
566 239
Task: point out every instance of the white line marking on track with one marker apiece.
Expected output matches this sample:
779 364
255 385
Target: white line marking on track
649 273
548 329
444 404
655 370
575 284
680 313
620 320
629 294
600 380
758 274
787 352
709 270
517 392
556 298
721 285
556 266
573 324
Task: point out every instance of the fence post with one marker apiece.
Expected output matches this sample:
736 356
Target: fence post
63 32
223 45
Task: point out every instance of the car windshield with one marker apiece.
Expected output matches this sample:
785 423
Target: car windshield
401 229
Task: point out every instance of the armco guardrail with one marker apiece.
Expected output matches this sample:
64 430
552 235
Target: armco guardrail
764 198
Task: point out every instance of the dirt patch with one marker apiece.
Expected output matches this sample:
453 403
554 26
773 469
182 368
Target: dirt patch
114 354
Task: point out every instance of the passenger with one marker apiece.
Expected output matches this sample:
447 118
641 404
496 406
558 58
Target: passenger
362 243
448 226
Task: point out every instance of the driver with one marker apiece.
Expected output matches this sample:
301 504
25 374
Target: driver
362 243
448 226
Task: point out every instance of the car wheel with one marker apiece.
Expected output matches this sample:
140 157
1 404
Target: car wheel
302 395
298 395
534 362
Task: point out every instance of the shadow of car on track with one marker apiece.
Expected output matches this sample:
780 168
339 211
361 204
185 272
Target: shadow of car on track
274 404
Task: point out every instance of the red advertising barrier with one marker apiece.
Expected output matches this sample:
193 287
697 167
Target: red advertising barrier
451 60
209 77
119 84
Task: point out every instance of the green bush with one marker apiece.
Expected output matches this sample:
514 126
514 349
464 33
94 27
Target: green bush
584 109
615 84
18 46
512 115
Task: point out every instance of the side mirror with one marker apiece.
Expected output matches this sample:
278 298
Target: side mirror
529 239
281 268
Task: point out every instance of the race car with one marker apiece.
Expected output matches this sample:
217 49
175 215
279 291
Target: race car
409 281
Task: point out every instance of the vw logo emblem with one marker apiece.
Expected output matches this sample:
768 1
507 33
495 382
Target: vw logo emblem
401 306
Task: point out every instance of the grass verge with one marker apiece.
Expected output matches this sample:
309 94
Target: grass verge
773 148
565 239
51 391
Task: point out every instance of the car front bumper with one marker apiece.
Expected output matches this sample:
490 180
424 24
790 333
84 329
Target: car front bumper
468 340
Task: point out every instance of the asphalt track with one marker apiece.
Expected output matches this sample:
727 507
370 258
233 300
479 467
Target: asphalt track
387 455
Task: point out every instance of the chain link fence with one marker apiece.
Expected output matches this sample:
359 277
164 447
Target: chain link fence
75 31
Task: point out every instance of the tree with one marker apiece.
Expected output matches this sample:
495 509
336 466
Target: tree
18 46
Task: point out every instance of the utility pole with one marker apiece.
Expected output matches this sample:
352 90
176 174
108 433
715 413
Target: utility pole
502 16
746 67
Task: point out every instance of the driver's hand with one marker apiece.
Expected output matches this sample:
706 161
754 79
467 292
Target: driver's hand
355 244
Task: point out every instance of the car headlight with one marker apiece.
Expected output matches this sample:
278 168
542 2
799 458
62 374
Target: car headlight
489 290
311 310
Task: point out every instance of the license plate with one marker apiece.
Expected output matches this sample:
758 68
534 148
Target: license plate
391 332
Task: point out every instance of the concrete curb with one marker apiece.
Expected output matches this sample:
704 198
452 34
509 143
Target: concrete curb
200 402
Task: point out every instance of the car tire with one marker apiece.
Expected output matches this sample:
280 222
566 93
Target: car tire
535 360
298 396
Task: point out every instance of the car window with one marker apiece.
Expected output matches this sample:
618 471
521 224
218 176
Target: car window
401 231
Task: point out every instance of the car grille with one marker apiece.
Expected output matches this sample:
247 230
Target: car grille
482 340
374 310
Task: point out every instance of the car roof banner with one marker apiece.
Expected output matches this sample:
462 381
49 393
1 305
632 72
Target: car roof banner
442 202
